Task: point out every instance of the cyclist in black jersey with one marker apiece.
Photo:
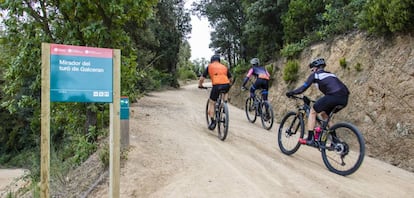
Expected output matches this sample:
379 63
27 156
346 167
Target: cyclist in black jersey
335 93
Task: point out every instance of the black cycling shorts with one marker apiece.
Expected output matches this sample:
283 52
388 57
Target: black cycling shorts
215 91
328 103
260 84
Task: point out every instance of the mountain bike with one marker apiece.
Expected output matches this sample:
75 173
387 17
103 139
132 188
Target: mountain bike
342 145
257 107
221 112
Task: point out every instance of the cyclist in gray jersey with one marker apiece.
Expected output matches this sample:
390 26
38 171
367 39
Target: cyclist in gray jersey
335 93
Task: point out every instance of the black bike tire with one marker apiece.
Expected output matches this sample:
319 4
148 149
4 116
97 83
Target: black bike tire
295 142
222 132
249 103
361 142
207 116
270 110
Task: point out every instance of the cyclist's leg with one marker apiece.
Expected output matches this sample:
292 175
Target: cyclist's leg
264 85
312 122
330 103
213 98
225 88
252 90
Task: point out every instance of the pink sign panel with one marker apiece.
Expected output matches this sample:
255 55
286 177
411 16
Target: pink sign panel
71 50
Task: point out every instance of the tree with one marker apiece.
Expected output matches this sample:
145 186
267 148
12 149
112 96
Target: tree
227 19
28 24
263 31
302 18
385 17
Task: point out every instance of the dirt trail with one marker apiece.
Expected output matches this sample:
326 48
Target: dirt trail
173 154
10 180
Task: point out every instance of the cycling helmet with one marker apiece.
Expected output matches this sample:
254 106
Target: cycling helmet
320 62
215 57
255 62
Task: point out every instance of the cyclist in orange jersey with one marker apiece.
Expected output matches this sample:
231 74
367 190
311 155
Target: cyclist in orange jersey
220 78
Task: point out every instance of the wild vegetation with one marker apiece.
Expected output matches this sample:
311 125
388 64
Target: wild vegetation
152 38
270 29
149 34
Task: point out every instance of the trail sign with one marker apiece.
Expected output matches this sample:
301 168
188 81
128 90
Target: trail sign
80 74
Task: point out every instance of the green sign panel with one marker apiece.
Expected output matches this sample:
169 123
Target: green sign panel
124 108
80 74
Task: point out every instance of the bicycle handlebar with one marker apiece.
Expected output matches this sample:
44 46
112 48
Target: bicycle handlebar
205 87
304 98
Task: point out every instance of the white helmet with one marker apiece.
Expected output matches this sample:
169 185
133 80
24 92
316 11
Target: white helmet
255 62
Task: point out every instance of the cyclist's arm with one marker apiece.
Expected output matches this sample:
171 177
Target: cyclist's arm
249 73
230 77
305 85
202 77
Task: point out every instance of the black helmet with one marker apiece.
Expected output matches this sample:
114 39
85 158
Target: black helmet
255 62
320 62
215 57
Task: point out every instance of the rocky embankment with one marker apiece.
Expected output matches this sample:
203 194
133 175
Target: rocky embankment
380 75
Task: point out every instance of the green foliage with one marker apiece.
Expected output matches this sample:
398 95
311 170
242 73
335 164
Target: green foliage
83 148
358 67
339 16
301 19
186 74
262 31
342 62
199 65
293 50
149 46
383 16
269 68
290 72
227 18
104 155
240 69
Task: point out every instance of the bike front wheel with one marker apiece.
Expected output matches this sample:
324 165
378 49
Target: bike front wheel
343 149
267 115
291 128
250 109
223 121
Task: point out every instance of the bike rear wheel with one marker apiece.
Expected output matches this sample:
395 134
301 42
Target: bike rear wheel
343 149
267 115
250 109
291 128
223 121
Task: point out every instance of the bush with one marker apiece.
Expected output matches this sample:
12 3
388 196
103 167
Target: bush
104 155
185 74
240 69
342 63
292 50
358 67
290 72
269 68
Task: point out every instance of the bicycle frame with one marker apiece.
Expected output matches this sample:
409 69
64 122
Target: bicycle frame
304 109
342 145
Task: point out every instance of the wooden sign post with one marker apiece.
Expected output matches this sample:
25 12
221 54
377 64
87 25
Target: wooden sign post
80 74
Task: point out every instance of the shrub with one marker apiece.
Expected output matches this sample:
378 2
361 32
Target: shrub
358 67
342 63
292 50
104 155
186 73
269 68
240 68
290 72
